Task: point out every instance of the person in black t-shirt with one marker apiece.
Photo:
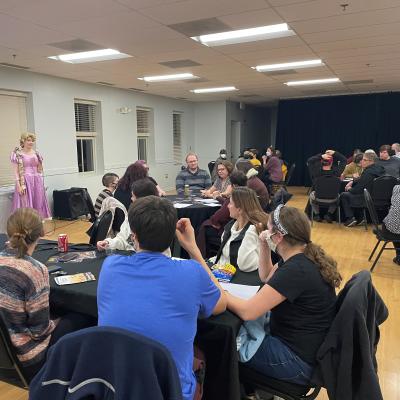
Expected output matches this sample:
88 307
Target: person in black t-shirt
299 292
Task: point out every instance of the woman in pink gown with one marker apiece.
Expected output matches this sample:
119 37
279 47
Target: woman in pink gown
29 187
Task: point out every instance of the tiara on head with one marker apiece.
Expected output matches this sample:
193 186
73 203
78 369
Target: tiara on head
277 221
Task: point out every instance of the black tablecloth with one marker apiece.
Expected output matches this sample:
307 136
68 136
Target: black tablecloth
215 335
196 212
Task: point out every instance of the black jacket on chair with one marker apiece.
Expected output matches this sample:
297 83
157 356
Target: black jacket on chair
104 363
346 360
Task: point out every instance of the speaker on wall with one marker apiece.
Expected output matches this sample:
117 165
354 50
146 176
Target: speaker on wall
69 203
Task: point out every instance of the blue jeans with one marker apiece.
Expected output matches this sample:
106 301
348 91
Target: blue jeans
273 358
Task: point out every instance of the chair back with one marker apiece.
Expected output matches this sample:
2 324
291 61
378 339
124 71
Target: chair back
381 191
101 227
110 363
327 187
371 209
211 166
11 370
290 174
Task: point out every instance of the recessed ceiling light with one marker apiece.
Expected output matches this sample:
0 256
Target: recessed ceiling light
90 56
215 89
245 35
173 77
313 82
289 65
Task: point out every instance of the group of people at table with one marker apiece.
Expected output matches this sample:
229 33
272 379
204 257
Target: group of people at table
298 295
359 172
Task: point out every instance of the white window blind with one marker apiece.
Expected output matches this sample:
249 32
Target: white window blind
143 122
86 132
12 124
177 136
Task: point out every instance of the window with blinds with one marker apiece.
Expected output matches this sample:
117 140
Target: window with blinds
177 137
86 132
144 127
13 122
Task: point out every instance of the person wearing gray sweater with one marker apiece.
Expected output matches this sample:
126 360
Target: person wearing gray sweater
390 164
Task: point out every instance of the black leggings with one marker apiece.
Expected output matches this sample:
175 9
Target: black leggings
69 322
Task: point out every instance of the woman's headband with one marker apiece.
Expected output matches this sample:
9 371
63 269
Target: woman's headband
277 221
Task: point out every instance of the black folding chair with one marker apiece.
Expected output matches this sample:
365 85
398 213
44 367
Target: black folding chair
327 192
211 166
289 175
380 235
282 389
11 370
381 192
100 228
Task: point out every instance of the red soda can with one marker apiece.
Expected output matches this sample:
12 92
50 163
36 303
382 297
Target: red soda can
62 243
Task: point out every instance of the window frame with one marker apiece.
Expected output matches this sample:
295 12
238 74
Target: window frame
91 136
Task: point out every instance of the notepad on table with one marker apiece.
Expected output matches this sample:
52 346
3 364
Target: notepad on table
243 291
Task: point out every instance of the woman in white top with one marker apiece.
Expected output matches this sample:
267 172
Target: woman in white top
122 241
239 242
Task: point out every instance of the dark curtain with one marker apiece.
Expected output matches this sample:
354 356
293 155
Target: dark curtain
309 126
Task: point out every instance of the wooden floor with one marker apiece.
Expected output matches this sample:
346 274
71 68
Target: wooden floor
351 248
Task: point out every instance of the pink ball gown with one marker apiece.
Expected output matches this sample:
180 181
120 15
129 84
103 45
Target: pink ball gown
35 196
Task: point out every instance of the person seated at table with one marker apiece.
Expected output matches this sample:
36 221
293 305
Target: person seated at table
239 242
211 229
197 179
326 169
24 294
389 163
352 157
271 172
221 157
140 188
298 300
161 192
391 223
353 169
110 182
284 164
396 149
339 162
254 182
222 186
353 197
133 173
155 295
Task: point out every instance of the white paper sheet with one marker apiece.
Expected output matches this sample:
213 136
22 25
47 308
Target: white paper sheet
208 201
242 291
182 205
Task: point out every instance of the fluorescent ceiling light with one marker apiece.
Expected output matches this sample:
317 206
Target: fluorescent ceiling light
174 77
215 89
289 65
245 35
90 56
313 82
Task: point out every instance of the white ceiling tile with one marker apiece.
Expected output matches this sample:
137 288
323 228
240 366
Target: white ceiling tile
53 12
191 10
323 8
15 33
252 18
367 18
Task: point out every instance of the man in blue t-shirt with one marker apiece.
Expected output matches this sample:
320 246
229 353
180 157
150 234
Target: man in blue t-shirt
154 295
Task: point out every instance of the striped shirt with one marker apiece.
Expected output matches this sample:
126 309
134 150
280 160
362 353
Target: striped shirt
24 303
102 195
197 181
